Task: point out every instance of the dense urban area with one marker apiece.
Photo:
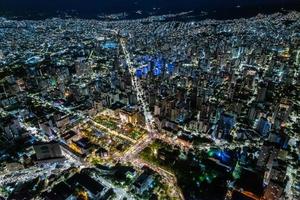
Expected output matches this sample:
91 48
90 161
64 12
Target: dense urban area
150 109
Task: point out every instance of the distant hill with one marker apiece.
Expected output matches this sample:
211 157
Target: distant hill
36 9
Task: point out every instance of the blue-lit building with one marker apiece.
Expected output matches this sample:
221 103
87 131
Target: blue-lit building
142 71
224 156
158 67
109 45
226 123
139 73
263 126
170 68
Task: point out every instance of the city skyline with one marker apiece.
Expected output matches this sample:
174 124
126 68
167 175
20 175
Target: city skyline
140 103
216 9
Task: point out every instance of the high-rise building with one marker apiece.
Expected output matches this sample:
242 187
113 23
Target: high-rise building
263 126
226 123
268 153
261 93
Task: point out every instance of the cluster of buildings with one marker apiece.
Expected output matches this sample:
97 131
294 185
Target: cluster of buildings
233 83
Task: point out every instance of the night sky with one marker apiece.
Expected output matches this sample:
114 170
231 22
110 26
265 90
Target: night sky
86 8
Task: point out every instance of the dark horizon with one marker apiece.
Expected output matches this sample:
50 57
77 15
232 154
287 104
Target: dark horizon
36 9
